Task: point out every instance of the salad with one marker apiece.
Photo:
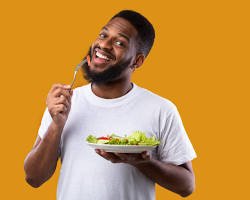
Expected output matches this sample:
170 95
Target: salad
136 138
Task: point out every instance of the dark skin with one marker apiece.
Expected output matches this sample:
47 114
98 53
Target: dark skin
117 41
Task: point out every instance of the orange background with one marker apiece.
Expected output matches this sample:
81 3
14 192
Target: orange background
200 61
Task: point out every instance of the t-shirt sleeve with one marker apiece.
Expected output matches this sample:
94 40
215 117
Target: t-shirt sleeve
175 146
46 121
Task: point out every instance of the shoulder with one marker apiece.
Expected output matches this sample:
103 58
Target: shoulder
162 103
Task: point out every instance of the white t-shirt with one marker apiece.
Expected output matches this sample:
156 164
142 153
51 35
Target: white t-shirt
85 175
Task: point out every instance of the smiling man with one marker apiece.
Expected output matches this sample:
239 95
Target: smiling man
111 103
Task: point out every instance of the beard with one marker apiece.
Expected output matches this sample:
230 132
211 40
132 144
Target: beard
109 75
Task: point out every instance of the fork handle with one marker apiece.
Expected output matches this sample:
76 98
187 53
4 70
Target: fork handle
75 72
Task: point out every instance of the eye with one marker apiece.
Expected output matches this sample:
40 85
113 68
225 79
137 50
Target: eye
119 43
102 35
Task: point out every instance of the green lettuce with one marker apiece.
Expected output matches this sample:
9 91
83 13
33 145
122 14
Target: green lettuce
91 139
136 138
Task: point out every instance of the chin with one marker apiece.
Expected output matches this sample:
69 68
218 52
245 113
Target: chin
98 68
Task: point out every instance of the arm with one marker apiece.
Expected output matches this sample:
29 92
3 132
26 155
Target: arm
179 179
40 163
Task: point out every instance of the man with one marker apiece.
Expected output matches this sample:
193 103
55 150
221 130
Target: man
111 103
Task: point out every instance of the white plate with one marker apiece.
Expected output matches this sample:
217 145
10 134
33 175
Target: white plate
121 148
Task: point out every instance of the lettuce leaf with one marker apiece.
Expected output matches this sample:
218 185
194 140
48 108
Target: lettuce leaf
91 139
136 138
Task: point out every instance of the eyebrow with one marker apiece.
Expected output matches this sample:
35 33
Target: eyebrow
120 34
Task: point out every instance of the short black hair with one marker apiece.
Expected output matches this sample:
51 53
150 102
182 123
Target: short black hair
144 28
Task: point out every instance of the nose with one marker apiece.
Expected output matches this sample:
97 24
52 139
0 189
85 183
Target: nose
106 44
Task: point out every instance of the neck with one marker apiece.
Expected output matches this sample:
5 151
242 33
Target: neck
112 90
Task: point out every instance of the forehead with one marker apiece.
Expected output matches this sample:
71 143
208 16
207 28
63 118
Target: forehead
120 25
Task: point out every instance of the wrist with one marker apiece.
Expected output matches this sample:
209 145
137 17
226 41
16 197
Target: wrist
144 164
56 128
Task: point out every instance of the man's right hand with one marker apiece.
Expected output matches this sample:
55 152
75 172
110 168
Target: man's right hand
40 163
59 103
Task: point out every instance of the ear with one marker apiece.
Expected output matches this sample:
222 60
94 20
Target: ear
139 60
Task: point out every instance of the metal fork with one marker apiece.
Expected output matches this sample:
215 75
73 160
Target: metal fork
76 70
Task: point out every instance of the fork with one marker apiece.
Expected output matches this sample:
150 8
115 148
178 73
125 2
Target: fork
76 70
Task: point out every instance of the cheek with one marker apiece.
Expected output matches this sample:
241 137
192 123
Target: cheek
122 54
134 50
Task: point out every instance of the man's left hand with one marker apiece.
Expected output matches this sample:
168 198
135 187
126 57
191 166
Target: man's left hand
130 158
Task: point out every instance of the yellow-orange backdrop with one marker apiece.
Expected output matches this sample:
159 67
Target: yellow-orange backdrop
200 61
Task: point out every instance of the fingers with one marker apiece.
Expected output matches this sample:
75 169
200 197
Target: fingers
58 90
130 158
108 156
58 85
62 100
56 109
59 102
61 91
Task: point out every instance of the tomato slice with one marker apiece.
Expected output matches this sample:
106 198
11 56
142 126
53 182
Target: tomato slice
103 138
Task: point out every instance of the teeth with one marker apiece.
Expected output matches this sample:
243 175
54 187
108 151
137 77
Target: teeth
101 56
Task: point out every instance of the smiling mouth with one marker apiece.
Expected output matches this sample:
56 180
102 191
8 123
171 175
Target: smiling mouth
99 55
102 55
